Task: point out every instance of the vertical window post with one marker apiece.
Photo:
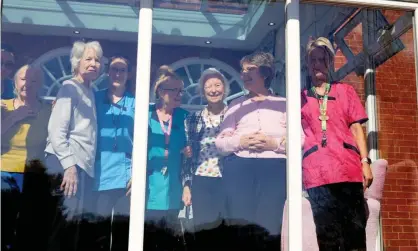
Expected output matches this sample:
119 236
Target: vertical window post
294 131
139 158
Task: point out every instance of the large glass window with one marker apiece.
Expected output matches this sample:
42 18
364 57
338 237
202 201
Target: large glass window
219 179
368 57
67 124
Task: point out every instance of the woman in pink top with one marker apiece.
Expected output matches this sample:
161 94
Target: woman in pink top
252 135
335 164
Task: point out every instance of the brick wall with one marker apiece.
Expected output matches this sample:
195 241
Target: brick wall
398 138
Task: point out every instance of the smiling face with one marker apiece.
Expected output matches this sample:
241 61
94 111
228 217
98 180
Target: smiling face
318 65
214 89
118 72
89 65
171 92
27 83
252 77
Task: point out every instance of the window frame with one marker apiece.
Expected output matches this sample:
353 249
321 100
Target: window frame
293 69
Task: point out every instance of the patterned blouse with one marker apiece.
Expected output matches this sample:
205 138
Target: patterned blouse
201 132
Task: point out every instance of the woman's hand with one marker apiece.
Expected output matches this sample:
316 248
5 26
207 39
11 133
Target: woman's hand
262 142
188 152
23 112
187 196
367 176
70 182
128 187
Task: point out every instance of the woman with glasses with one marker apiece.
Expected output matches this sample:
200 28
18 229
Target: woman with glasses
7 65
166 141
115 108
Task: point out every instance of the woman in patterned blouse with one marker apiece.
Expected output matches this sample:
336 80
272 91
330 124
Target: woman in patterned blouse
203 166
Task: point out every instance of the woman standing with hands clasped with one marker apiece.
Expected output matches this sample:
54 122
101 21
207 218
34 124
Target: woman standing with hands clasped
336 169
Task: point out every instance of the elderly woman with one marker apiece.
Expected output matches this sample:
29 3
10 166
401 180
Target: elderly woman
204 165
166 141
254 173
23 139
336 168
115 120
71 146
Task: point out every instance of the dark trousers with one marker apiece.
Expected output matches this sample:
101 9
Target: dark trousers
340 216
256 193
208 199
112 212
162 230
73 218
10 205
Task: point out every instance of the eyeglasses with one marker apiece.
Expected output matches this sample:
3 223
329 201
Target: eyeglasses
8 64
118 70
174 90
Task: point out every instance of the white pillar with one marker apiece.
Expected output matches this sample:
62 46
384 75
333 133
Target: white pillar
294 155
143 69
415 29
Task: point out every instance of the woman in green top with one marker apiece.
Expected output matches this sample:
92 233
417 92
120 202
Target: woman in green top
166 141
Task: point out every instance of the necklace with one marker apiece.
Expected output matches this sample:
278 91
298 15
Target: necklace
115 121
211 122
323 117
167 134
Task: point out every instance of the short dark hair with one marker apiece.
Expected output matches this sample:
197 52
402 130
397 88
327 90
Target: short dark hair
265 63
118 56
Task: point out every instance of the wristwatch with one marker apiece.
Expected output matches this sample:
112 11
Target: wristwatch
366 160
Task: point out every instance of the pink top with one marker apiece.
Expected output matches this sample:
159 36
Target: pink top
340 160
245 116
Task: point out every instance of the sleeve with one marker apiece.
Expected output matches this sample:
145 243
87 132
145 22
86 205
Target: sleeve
356 112
186 170
227 141
58 125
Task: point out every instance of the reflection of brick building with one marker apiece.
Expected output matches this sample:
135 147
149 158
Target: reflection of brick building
398 137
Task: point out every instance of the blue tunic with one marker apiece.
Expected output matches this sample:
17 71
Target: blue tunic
115 124
164 191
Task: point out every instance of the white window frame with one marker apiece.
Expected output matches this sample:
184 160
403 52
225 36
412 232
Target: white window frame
293 69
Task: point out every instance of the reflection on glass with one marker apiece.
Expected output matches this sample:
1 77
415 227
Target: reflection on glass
67 130
373 51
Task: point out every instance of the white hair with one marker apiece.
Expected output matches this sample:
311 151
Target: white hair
78 50
212 72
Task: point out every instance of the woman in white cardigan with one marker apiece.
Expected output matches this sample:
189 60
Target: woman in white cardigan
71 145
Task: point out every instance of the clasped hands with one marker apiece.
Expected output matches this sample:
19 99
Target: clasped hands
259 142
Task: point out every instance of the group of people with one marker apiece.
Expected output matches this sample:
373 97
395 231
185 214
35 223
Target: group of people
227 161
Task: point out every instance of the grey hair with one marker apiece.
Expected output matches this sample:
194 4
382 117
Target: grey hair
213 72
77 52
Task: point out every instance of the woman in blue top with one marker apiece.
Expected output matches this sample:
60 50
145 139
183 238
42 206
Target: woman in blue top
115 108
166 141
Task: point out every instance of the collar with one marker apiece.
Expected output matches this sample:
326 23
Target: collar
312 94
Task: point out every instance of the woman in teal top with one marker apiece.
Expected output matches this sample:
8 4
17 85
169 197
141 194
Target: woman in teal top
115 109
166 141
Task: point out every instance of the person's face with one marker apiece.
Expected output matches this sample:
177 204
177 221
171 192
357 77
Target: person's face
171 93
251 76
317 64
214 90
89 65
28 82
7 64
118 72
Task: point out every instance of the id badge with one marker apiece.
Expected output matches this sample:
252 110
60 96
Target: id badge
164 170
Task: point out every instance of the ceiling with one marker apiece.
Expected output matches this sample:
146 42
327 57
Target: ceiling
120 22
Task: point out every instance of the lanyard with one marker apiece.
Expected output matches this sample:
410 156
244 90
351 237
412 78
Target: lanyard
323 112
167 133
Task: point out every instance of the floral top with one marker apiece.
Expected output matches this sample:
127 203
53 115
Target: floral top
208 161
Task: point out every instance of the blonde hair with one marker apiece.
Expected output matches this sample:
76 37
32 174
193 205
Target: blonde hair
213 72
35 72
163 75
324 44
